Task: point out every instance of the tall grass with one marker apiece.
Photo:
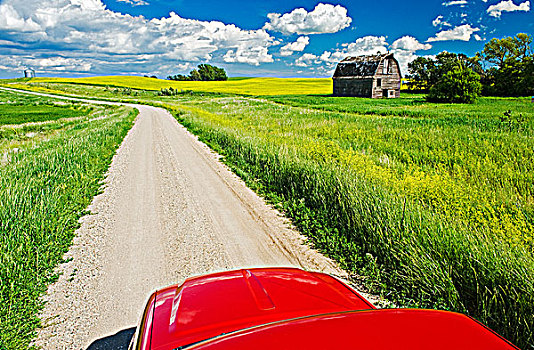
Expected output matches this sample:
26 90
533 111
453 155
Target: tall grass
28 117
433 203
44 190
479 174
394 221
415 105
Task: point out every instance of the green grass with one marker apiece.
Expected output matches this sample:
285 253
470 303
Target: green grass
433 203
44 190
436 213
413 105
17 114
27 117
473 165
19 99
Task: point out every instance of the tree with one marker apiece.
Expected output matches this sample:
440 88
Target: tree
496 51
527 79
427 72
514 78
210 73
195 75
205 72
474 63
179 77
522 43
421 70
505 68
458 85
512 66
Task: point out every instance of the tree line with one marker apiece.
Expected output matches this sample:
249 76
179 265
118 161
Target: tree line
505 67
204 72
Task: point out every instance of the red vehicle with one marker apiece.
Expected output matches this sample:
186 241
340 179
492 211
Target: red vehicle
287 308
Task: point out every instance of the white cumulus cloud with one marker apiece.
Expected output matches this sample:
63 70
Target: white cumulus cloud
404 50
409 43
299 45
325 18
455 2
253 56
327 61
463 33
63 64
106 41
307 60
367 45
135 2
47 65
11 20
507 6
438 21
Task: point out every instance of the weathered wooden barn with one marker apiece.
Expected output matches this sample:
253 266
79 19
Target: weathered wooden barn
372 76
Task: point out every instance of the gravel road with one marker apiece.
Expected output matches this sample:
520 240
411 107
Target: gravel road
169 210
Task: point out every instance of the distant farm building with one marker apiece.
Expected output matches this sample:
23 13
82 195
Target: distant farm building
372 76
29 73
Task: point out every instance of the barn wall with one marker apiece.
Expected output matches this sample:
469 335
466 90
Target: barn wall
390 81
350 86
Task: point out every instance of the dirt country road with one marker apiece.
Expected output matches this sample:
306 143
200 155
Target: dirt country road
170 210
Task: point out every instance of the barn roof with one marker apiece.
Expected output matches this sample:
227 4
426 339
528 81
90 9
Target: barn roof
360 66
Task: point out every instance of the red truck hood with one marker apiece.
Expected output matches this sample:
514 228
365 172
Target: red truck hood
399 329
208 306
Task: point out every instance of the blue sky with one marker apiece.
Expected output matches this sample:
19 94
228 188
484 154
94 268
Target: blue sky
253 38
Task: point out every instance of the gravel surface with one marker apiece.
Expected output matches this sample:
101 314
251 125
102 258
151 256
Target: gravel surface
169 210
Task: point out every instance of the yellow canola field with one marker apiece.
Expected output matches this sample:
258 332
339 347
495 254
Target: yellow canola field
244 86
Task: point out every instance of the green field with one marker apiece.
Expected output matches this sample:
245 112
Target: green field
486 110
29 118
435 213
432 203
21 110
46 183
10 114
